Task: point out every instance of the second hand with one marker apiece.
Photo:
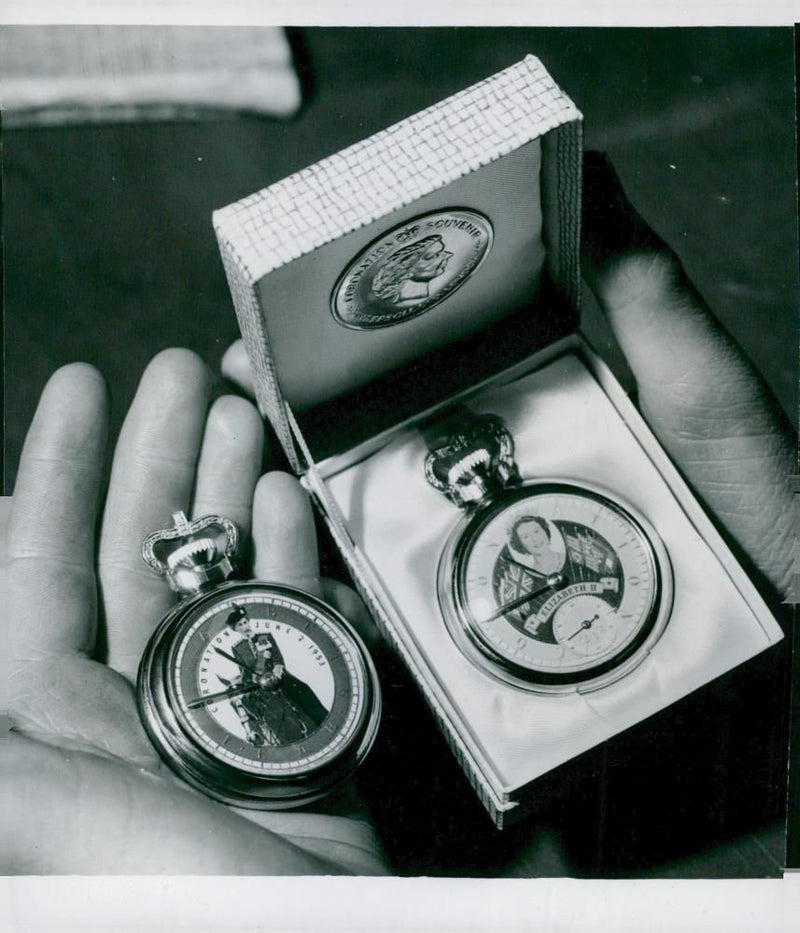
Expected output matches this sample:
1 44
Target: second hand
586 624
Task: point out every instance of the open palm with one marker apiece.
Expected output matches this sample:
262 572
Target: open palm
85 791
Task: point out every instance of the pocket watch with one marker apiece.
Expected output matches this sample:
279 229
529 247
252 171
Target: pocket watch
258 694
550 585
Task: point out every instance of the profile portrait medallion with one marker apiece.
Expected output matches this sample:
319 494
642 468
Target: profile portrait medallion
411 268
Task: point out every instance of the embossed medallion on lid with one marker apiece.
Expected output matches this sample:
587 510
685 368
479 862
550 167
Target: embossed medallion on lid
411 268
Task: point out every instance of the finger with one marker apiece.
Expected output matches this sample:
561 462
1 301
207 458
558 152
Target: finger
236 367
352 607
284 537
705 401
152 477
52 588
230 462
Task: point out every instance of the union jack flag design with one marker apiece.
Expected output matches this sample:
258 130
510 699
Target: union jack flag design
512 581
588 558
515 581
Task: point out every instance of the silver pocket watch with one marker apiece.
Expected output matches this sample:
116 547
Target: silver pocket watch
258 694
547 584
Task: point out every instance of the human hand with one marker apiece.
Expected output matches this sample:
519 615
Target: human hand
714 415
84 791
709 408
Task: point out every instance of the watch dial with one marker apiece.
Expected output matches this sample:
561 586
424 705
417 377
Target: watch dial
556 584
260 694
267 683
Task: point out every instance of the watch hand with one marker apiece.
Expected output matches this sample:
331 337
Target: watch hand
223 695
555 581
587 623
230 657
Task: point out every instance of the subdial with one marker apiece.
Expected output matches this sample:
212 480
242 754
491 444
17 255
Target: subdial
586 625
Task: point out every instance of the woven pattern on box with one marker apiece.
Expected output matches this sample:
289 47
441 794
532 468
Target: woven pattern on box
569 194
254 334
394 167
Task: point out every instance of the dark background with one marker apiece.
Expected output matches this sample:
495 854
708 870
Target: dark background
109 256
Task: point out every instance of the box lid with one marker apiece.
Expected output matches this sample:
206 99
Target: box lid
480 194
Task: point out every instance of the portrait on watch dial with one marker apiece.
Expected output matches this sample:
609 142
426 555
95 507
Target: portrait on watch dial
538 547
537 544
286 708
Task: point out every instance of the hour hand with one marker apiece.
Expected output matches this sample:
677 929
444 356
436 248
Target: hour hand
555 581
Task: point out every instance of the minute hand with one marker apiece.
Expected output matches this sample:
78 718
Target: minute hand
555 581
230 657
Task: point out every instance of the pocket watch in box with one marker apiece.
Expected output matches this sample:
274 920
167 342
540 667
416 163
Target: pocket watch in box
549 585
258 694
438 261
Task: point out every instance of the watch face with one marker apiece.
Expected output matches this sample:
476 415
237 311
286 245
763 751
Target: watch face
261 691
555 586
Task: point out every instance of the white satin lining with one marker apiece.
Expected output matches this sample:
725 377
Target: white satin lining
566 427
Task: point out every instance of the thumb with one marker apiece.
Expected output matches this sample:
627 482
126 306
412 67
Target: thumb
708 406
236 367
